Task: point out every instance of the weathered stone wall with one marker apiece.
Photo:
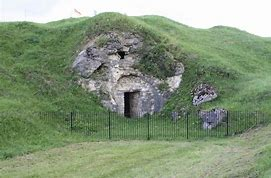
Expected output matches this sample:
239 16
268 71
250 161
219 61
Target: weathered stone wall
106 67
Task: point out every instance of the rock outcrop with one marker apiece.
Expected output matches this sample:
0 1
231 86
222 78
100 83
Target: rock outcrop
106 66
212 118
203 93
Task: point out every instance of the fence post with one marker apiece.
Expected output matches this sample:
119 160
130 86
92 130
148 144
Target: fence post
187 129
148 124
109 125
71 117
257 118
227 117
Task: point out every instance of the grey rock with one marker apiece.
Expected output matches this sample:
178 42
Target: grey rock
92 52
203 93
131 42
85 66
111 51
213 117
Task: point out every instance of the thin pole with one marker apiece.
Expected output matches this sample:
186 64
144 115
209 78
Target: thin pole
71 121
109 125
148 118
187 125
227 123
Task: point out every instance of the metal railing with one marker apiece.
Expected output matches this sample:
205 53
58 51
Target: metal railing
181 125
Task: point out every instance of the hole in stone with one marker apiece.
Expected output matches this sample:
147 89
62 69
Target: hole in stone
131 104
121 54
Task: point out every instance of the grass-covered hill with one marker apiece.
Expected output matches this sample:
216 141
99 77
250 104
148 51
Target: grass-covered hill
36 59
36 75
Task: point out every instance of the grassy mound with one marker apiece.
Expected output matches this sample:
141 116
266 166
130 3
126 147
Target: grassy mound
36 59
35 70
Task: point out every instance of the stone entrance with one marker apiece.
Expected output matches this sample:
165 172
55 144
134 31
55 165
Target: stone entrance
131 104
110 71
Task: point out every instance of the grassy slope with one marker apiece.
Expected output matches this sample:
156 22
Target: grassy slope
246 156
36 58
35 76
222 50
35 72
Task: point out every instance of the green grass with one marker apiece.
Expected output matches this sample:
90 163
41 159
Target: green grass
215 53
248 155
36 75
23 133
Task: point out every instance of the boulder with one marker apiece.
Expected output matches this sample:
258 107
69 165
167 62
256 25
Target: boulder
203 93
86 63
212 118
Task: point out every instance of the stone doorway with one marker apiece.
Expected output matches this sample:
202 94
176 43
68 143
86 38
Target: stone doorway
131 104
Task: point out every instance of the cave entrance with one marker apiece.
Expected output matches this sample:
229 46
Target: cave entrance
131 103
121 54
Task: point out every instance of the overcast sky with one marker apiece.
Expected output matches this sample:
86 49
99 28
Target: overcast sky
249 15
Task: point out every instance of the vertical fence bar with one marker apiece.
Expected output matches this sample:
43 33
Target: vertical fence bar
71 118
227 123
109 125
148 118
187 129
257 117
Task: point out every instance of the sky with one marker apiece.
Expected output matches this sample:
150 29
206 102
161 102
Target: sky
252 16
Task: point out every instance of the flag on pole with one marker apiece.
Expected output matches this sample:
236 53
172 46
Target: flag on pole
77 12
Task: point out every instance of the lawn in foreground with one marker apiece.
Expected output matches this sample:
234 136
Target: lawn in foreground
246 156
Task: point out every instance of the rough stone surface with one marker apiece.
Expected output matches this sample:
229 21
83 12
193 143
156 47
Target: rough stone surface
108 71
203 93
212 118
174 82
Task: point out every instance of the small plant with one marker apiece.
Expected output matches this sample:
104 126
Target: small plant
156 59
102 40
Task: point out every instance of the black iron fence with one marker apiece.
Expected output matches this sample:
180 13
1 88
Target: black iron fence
175 125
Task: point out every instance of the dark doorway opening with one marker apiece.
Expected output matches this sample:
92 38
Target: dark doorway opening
131 103
121 54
